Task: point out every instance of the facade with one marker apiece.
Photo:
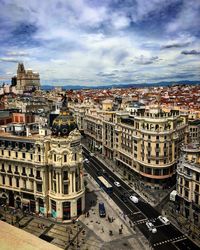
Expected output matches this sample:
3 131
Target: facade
188 184
43 174
147 146
26 80
194 130
144 145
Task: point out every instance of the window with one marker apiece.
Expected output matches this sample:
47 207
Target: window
157 161
10 181
187 183
54 186
3 168
197 188
23 171
157 137
16 154
9 169
31 185
75 156
186 193
38 174
31 156
39 187
2 152
3 180
65 158
149 137
8 153
197 177
17 182
39 157
54 157
65 188
65 175
23 155
16 169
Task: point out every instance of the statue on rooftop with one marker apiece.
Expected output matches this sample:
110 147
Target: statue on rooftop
64 101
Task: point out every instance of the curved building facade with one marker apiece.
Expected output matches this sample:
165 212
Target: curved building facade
43 174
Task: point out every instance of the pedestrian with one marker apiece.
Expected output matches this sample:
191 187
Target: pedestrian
121 226
102 230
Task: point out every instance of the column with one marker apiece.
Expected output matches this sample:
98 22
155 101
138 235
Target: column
71 181
60 175
50 182
74 181
57 186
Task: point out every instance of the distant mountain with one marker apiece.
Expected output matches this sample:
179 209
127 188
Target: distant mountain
142 85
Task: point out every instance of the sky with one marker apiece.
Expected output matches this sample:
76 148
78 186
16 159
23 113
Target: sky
101 42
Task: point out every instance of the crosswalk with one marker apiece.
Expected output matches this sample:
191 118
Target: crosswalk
144 221
182 237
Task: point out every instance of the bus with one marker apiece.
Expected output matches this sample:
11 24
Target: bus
105 184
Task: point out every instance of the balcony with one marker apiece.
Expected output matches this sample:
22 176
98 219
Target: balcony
16 173
27 190
3 170
24 175
31 175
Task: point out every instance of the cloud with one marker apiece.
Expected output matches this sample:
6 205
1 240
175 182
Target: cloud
175 45
74 40
9 59
190 52
145 60
17 53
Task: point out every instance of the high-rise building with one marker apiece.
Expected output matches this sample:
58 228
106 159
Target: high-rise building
26 80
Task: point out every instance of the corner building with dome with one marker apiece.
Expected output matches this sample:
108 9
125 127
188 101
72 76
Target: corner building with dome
44 174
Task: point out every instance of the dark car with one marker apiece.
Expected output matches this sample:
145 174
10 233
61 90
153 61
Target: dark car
124 199
102 210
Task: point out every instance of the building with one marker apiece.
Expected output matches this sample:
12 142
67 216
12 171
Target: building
26 80
43 173
194 130
188 184
144 145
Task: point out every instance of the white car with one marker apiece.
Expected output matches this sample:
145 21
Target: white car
134 199
151 227
117 184
164 220
86 160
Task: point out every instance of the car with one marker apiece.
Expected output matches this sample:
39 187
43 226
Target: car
91 154
164 220
117 184
151 227
124 199
134 199
102 210
86 160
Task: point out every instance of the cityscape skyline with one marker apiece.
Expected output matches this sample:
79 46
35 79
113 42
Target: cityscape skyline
101 43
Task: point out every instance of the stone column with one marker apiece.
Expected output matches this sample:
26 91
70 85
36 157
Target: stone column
57 182
74 181
60 177
50 181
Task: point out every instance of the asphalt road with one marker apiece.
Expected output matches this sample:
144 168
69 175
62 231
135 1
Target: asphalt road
167 237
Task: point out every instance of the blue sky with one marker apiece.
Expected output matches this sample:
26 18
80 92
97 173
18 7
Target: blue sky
100 42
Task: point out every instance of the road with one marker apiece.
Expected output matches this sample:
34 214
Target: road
167 237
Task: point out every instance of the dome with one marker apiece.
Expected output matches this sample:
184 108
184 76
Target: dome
63 124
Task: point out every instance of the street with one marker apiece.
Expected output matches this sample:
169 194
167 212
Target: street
167 236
